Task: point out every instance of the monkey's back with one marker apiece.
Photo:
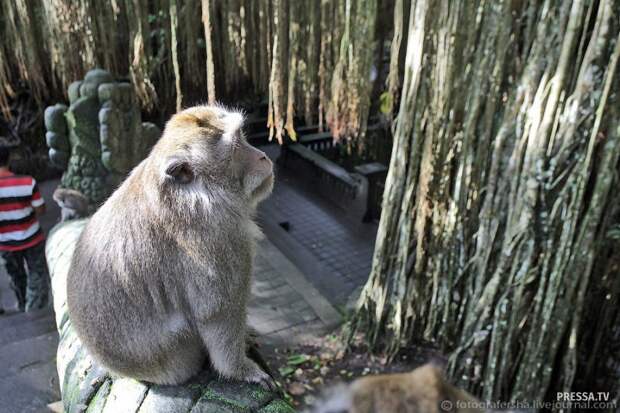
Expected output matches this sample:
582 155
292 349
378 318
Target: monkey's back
117 304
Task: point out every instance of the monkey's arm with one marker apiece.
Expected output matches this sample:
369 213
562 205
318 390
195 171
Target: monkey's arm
225 339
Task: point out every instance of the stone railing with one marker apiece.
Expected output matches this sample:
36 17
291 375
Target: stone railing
87 387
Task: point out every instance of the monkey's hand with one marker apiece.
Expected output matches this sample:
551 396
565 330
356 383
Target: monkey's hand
255 374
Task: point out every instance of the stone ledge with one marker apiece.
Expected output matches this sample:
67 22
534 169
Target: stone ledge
87 387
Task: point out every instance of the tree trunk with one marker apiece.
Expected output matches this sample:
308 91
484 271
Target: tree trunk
206 20
175 53
499 198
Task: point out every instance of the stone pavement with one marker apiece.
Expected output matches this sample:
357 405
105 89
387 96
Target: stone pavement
285 307
329 244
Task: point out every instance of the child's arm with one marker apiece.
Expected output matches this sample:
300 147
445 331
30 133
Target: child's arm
37 201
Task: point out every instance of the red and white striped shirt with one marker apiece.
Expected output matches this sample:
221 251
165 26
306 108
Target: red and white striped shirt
19 226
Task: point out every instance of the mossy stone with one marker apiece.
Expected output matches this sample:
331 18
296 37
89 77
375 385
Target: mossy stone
244 394
277 406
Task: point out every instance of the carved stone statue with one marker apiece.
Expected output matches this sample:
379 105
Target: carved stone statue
100 137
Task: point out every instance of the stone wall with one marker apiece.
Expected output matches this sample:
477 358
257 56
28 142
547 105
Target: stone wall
87 387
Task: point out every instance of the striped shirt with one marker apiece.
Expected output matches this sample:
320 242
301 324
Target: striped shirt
19 226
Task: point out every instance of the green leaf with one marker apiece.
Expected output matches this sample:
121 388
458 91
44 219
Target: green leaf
386 103
297 359
286 371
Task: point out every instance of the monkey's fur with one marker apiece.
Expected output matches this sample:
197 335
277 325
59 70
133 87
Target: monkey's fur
423 390
161 274
73 204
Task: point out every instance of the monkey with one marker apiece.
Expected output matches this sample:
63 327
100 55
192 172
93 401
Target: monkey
160 277
423 390
73 204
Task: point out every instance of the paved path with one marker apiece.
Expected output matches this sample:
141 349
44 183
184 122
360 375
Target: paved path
285 307
329 244
28 378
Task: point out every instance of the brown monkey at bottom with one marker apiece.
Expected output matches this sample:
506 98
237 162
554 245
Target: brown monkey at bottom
423 390
161 274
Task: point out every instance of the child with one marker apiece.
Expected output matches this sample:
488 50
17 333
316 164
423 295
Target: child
21 237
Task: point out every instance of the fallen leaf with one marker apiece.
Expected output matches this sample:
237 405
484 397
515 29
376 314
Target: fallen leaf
296 389
326 356
297 359
286 371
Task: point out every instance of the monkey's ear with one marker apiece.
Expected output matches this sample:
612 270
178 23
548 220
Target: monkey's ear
179 170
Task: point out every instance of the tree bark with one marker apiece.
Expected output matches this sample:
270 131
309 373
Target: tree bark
206 21
498 197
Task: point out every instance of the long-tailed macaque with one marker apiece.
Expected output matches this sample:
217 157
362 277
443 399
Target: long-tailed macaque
161 274
423 390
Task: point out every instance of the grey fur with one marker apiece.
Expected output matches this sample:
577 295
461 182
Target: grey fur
161 274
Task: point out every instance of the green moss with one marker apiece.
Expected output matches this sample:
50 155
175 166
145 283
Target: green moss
277 406
98 401
213 396
259 394
249 396
211 401
72 383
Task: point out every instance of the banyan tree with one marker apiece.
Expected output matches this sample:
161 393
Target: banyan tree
499 233
310 60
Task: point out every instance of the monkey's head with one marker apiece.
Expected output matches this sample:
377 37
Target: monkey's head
73 204
204 155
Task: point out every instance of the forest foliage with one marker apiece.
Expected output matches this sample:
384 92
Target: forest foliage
309 59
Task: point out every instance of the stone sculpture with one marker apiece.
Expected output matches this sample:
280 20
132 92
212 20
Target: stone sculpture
99 137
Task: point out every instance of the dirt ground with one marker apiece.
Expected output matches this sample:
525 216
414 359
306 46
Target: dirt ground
305 370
